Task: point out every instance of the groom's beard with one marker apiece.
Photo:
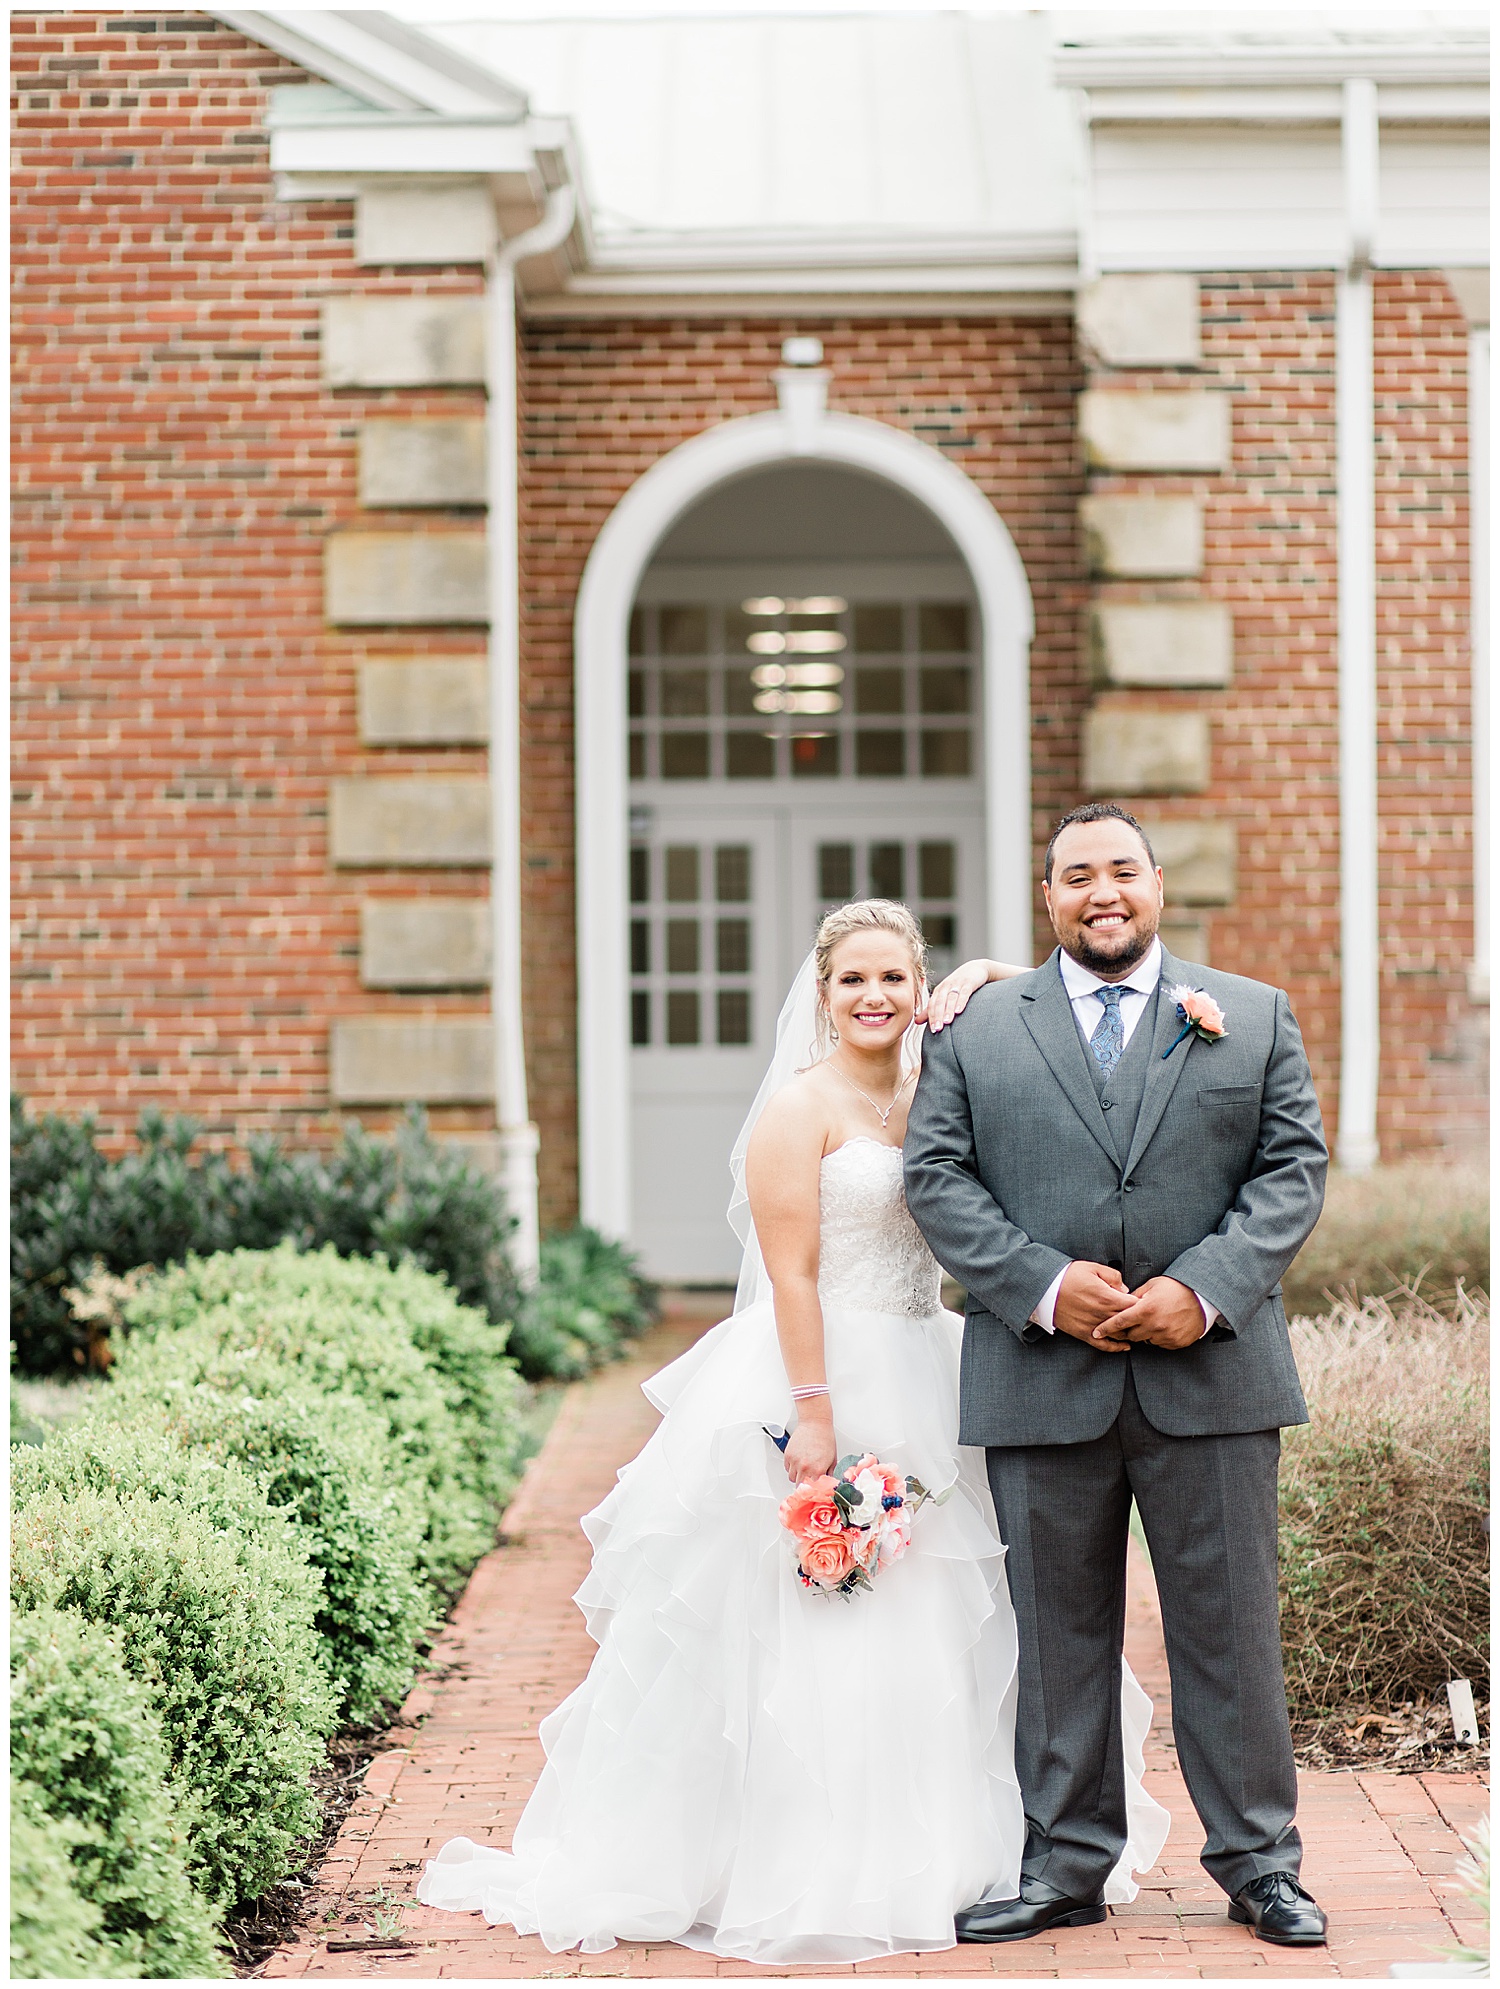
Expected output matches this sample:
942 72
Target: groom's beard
1110 960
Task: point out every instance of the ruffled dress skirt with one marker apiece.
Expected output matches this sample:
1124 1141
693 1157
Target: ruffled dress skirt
762 1771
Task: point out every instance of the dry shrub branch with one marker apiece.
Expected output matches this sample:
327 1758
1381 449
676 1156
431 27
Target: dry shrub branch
1419 1224
1384 1576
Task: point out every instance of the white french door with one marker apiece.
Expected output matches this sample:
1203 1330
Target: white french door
791 748
708 970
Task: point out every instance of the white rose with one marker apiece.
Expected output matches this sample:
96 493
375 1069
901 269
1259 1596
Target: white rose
868 1489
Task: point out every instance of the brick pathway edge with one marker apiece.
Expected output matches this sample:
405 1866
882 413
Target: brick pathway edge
1380 1847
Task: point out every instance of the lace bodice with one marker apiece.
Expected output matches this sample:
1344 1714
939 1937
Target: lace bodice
871 1254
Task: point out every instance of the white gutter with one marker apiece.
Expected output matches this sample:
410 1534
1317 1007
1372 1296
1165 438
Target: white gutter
1359 921
517 1134
1202 61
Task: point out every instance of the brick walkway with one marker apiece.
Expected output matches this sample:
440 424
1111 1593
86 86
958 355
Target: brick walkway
1379 1846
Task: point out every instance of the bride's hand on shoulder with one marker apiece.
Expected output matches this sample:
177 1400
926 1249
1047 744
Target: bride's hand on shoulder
951 995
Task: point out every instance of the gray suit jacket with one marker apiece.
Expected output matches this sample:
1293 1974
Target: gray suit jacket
1010 1172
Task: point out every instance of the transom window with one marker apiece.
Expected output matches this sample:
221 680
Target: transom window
773 688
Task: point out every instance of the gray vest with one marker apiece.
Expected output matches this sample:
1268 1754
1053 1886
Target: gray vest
1121 1093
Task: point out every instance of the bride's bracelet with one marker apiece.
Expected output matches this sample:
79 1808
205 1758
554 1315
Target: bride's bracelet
808 1394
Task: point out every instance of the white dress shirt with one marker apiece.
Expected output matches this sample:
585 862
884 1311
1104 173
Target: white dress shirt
1136 991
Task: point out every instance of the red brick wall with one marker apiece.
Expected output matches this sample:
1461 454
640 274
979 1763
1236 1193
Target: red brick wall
1433 1040
1270 553
604 402
181 705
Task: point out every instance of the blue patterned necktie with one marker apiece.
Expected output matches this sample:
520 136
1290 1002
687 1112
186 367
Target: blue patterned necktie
1107 1044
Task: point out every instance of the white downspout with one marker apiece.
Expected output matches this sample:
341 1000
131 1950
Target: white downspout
517 1134
1479 648
1359 920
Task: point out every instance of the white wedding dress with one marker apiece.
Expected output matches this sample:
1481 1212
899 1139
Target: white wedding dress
757 1770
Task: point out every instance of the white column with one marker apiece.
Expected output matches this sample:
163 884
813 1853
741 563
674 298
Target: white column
1479 647
1359 923
517 1134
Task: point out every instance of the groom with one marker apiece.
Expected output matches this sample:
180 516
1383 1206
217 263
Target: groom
1120 1200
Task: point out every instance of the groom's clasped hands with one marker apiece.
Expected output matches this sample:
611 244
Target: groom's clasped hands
1095 1305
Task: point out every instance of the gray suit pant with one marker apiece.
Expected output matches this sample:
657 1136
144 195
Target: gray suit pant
1208 1507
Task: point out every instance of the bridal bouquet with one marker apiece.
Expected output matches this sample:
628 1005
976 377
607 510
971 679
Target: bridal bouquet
850 1525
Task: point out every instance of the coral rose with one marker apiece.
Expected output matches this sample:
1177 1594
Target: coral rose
810 1510
1201 1010
827 1560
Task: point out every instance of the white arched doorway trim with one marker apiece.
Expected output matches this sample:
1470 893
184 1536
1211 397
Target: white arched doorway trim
800 430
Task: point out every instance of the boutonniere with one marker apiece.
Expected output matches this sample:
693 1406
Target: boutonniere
1199 1014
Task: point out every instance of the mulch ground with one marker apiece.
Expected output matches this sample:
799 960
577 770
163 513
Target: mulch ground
1380 1845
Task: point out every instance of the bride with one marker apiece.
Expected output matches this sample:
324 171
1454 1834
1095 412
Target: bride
753 1768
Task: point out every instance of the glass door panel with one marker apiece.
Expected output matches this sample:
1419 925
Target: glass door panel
706 975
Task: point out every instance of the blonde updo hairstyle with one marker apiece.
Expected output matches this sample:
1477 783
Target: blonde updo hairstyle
864 915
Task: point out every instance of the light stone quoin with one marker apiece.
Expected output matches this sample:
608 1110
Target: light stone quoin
1197 859
1145 320
424 224
422 462
403 342
1146 752
1124 430
1185 936
423 701
398 823
1143 538
1171 645
380 1060
432 579
424 942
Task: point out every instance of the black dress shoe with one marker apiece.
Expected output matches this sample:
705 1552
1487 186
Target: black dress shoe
1039 1908
1276 1909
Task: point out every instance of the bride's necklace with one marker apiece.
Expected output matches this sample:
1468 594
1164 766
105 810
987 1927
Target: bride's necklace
883 1116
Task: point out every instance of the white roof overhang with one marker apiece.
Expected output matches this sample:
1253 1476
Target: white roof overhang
1214 81
309 155
380 60
405 108
855 268
1209 63
1218 154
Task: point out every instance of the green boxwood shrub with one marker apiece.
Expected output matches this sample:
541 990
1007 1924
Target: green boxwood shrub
283 1318
54 1930
72 1208
100 1456
589 1298
326 1462
205 1619
80 1219
88 1749
464 1350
